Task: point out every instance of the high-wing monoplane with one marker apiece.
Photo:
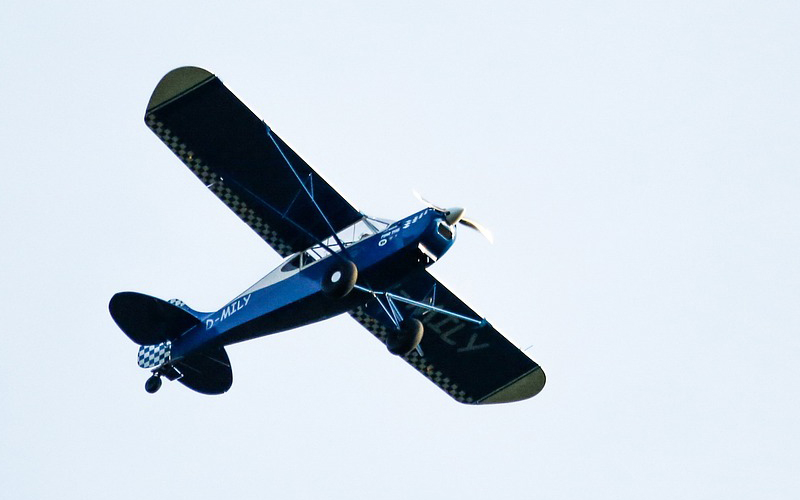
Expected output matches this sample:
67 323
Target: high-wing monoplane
336 260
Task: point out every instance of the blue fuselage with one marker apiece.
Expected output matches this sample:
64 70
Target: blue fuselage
289 297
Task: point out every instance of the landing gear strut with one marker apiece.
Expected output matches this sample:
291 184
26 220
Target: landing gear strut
153 384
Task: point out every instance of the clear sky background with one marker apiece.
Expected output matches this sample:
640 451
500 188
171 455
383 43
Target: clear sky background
637 161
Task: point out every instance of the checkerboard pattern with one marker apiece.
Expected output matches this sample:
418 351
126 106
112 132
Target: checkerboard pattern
422 365
215 183
152 356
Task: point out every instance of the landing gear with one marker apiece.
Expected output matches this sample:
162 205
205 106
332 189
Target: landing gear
405 339
340 279
153 384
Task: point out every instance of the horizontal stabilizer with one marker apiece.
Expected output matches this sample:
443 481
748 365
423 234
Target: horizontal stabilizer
208 372
147 320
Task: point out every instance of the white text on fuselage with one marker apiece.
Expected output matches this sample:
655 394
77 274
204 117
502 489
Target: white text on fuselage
228 311
390 234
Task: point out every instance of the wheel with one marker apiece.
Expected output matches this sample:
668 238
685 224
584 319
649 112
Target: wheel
406 339
153 384
339 279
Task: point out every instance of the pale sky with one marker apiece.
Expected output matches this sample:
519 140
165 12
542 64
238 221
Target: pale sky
638 163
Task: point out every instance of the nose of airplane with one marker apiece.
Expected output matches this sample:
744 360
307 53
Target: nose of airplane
453 215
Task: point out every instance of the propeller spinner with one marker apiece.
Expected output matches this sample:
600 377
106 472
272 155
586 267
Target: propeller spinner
455 215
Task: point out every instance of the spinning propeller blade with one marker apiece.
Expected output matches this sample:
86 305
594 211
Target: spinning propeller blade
456 214
426 202
481 229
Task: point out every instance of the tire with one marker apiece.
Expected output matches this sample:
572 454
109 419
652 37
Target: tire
406 339
339 279
153 384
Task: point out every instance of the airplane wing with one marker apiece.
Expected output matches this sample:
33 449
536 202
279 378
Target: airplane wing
242 161
474 364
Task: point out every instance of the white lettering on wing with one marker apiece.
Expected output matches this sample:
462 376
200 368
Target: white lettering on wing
451 330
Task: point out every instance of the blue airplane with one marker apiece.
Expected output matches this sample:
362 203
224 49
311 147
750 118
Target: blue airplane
337 260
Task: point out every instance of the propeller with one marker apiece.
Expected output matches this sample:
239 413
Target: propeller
455 215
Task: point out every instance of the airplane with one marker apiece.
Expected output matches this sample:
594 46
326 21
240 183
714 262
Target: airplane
337 260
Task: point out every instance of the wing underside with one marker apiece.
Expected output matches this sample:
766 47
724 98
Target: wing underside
474 364
244 163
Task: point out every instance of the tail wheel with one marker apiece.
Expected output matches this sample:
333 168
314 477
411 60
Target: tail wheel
406 338
153 384
339 279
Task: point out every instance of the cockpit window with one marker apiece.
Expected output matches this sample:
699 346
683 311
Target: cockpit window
299 261
292 264
308 259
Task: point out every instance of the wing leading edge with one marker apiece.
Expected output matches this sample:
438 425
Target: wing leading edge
474 364
244 163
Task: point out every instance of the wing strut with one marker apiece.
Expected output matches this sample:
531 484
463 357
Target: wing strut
287 218
396 317
309 193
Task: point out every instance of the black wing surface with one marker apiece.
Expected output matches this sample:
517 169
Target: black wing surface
474 364
238 157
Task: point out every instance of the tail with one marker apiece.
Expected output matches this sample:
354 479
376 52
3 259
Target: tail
147 320
154 324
